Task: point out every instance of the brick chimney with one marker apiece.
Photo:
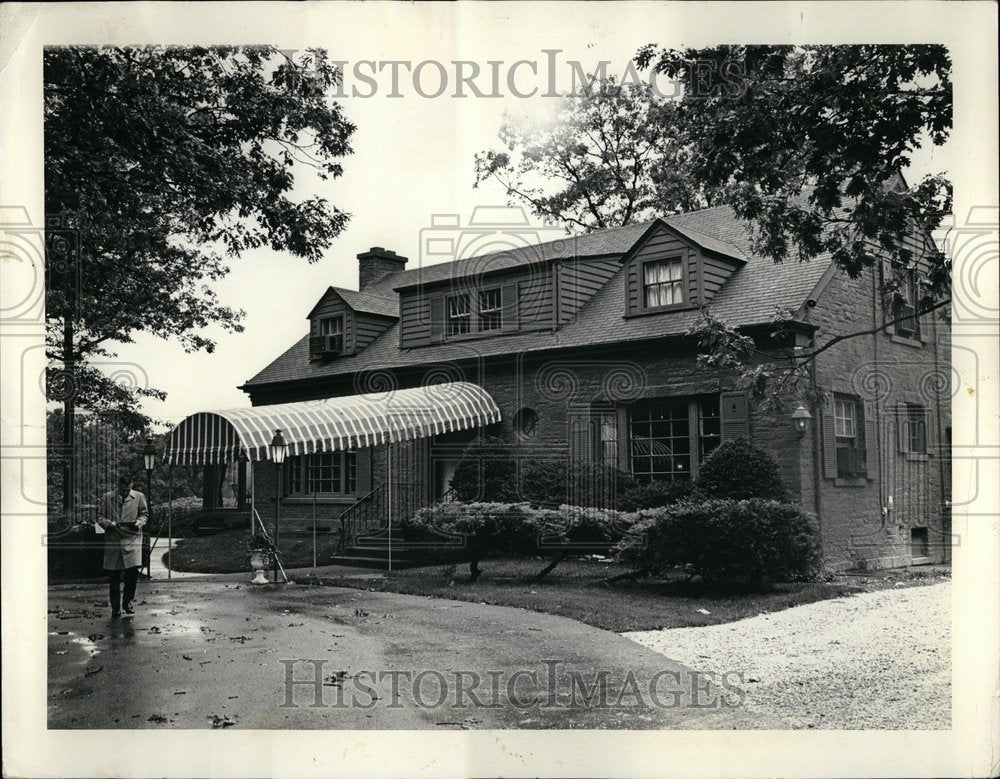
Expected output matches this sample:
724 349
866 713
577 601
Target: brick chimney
376 263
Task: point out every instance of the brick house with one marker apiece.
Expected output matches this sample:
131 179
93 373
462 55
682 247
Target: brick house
582 344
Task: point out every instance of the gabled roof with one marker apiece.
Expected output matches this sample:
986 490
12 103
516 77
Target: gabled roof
368 302
750 296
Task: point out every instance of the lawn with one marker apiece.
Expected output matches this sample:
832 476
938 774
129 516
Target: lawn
578 590
226 552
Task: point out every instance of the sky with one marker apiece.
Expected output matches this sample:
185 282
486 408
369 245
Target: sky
412 163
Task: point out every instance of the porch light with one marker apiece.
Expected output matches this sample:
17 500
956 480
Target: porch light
277 448
149 455
801 419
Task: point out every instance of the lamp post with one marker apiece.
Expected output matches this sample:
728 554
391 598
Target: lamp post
149 460
801 419
277 452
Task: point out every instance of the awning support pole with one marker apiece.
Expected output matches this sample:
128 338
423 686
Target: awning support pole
170 520
388 481
312 489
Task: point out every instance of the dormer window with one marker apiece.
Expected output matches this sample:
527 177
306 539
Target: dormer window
329 340
663 283
459 315
490 310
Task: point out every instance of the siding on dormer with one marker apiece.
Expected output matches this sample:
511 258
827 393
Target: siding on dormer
704 273
578 280
534 304
360 329
332 306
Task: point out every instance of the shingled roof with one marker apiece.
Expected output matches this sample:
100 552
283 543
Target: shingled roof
752 295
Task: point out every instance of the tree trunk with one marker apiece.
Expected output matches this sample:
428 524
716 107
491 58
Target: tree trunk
69 384
474 569
548 568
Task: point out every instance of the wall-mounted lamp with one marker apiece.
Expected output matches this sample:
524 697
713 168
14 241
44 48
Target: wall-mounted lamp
801 419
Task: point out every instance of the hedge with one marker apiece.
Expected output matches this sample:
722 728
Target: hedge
745 542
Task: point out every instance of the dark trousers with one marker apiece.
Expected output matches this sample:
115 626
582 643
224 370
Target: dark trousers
116 597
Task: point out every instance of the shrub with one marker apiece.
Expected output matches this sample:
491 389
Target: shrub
184 519
655 494
74 549
487 528
738 542
486 472
492 529
557 482
737 470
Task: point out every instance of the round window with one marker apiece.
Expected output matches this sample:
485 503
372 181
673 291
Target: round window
526 422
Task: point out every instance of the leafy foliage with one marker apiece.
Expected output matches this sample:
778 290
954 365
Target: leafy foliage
808 143
491 529
552 482
161 163
611 151
655 494
737 470
486 472
729 542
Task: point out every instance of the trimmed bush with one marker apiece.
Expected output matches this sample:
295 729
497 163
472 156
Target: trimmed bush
486 472
737 470
73 548
655 494
517 529
556 482
488 529
744 542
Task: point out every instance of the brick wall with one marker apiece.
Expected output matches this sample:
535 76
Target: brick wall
859 529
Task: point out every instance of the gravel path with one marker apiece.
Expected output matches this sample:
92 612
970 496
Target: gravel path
879 660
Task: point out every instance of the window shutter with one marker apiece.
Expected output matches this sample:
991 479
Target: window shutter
930 433
436 308
364 474
508 303
871 440
735 422
902 428
829 445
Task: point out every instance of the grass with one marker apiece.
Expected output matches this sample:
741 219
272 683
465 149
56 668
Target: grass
225 552
578 590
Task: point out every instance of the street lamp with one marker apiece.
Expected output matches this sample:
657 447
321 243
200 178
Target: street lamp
801 419
277 451
149 460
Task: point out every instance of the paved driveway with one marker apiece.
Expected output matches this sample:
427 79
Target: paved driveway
201 654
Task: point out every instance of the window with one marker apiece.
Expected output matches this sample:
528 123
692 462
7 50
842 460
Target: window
848 428
525 422
459 315
323 473
915 430
709 427
331 325
661 441
905 309
662 283
609 439
490 310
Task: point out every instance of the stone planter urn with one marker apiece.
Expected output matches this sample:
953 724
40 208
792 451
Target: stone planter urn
258 561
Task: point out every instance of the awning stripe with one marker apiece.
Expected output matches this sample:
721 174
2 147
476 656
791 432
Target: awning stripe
349 422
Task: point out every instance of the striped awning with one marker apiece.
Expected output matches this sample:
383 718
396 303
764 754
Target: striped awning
349 422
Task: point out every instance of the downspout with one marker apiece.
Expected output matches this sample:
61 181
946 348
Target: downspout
817 453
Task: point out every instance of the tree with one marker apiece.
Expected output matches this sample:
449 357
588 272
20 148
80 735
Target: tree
611 150
160 165
809 143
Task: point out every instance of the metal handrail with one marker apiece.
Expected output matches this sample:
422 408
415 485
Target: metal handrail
362 514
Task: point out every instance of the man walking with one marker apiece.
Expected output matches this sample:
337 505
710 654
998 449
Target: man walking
123 513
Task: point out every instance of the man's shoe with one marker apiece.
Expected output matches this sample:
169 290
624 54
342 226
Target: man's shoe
115 614
129 608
